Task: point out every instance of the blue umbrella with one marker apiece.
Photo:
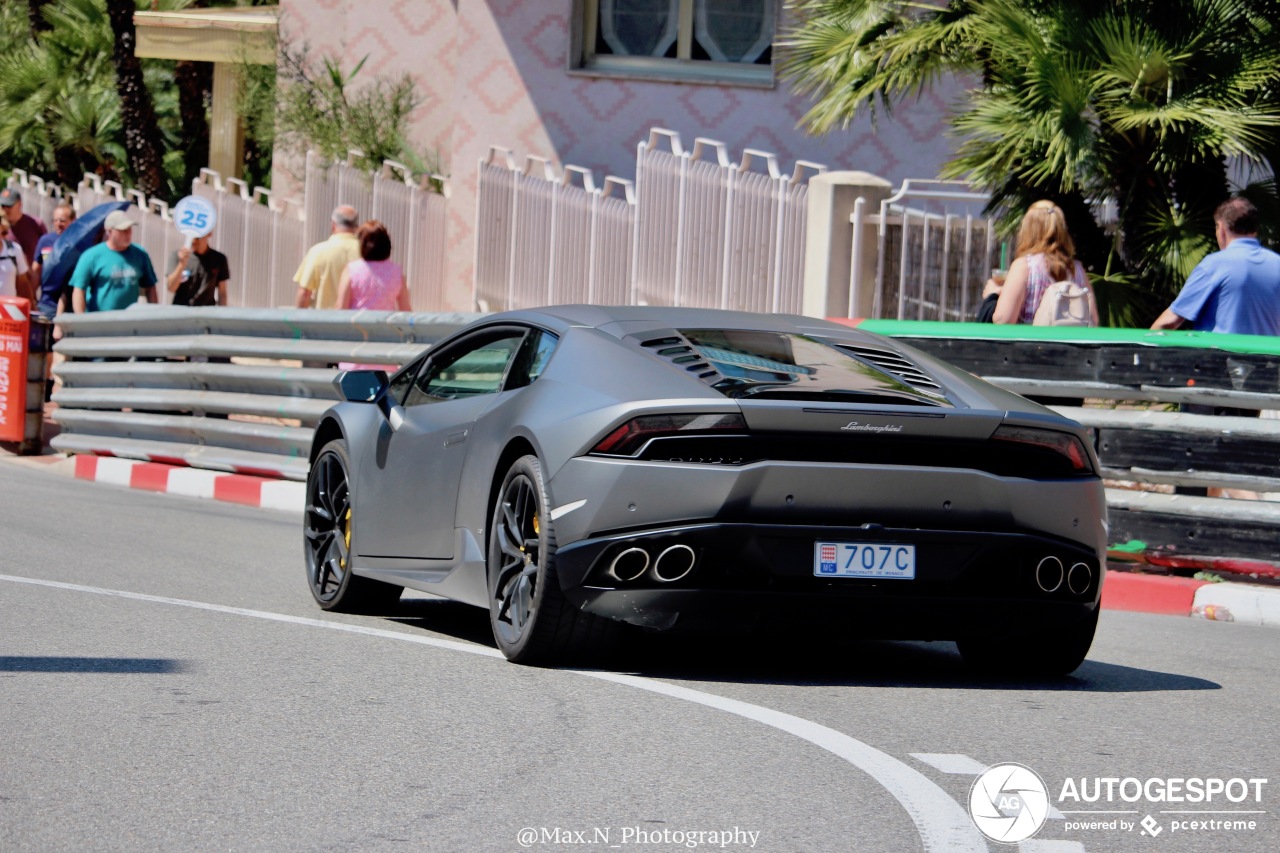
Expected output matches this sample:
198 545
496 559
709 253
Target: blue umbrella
79 236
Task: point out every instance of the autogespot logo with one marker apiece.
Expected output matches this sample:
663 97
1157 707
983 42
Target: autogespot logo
1009 803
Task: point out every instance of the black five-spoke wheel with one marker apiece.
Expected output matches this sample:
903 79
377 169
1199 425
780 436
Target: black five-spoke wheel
327 531
532 621
517 535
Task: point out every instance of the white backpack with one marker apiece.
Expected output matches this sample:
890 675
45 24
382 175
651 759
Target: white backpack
1064 303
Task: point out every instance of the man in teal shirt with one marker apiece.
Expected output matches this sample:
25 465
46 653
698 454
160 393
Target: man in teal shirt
113 273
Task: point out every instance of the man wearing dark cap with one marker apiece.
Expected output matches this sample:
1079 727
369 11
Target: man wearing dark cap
113 273
27 230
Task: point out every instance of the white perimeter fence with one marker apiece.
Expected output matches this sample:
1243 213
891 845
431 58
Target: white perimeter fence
699 230
264 239
693 229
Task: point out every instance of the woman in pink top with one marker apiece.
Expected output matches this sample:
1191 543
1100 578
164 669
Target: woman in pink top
374 282
1045 254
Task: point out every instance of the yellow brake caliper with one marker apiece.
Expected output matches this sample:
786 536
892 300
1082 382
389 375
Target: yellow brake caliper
346 537
535 533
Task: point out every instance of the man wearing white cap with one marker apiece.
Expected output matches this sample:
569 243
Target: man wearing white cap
113 273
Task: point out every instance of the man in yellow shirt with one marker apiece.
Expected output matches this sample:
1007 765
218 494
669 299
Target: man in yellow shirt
324 263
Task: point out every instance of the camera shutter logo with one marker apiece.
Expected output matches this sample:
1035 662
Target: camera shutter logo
1009 803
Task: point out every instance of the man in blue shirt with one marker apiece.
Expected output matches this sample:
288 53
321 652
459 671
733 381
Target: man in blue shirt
113 273
1236 290
59 298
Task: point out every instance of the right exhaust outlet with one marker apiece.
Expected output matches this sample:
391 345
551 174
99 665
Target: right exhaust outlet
1080 578
674 563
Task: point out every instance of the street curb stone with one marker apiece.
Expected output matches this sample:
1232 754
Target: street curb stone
1247 604
246 489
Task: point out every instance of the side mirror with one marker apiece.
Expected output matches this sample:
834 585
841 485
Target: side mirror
360 386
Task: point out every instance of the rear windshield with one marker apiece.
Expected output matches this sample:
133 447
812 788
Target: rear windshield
785 366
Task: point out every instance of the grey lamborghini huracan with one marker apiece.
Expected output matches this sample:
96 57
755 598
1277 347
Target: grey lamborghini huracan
577 467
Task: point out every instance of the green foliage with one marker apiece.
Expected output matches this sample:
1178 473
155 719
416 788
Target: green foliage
256 101
60 110
317 105
1140 102
59 106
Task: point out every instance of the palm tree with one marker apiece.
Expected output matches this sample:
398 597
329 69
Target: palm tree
1139 102
38 23
141 130
58 109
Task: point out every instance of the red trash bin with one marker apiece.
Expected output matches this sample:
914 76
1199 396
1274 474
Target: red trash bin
15 332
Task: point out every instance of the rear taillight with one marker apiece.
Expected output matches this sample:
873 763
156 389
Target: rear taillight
627 439
1066 445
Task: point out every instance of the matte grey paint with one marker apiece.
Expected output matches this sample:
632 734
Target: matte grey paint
421 508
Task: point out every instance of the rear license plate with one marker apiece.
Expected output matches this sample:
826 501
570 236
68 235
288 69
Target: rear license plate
864 560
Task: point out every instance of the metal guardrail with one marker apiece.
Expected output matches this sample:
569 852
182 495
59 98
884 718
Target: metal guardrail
180 400
158 383
1145 445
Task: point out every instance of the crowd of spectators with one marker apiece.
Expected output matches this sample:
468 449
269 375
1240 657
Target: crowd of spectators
1235 290
350 269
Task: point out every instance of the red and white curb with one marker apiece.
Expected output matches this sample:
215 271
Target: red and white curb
1248 604
263 492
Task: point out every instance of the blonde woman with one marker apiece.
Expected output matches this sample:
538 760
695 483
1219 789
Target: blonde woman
1045 254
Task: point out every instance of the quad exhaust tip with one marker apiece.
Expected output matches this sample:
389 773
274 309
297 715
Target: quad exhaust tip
629 564
673 563
1080 578
1049 574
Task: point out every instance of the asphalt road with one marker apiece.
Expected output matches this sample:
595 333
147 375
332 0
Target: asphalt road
167 684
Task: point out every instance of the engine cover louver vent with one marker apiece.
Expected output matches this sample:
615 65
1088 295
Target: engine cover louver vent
678 351
891 362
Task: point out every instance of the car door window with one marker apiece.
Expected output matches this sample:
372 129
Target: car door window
532 358
472 367
402 381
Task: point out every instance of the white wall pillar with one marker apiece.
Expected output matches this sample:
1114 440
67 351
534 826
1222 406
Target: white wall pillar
829 243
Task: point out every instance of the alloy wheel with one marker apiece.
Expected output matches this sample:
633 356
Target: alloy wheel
328 526
518 539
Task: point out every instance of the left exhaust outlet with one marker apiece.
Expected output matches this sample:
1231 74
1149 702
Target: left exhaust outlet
629 564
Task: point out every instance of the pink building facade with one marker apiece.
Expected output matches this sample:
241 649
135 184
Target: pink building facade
537 77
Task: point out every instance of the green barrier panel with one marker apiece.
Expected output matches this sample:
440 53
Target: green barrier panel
1253 344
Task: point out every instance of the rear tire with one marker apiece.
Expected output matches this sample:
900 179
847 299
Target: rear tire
327 540
532 621
1031 653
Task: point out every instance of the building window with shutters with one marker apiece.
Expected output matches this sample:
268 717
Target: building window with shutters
723 41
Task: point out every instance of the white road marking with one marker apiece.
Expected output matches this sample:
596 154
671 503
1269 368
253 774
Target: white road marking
942 823
451 645
963 765
960 764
